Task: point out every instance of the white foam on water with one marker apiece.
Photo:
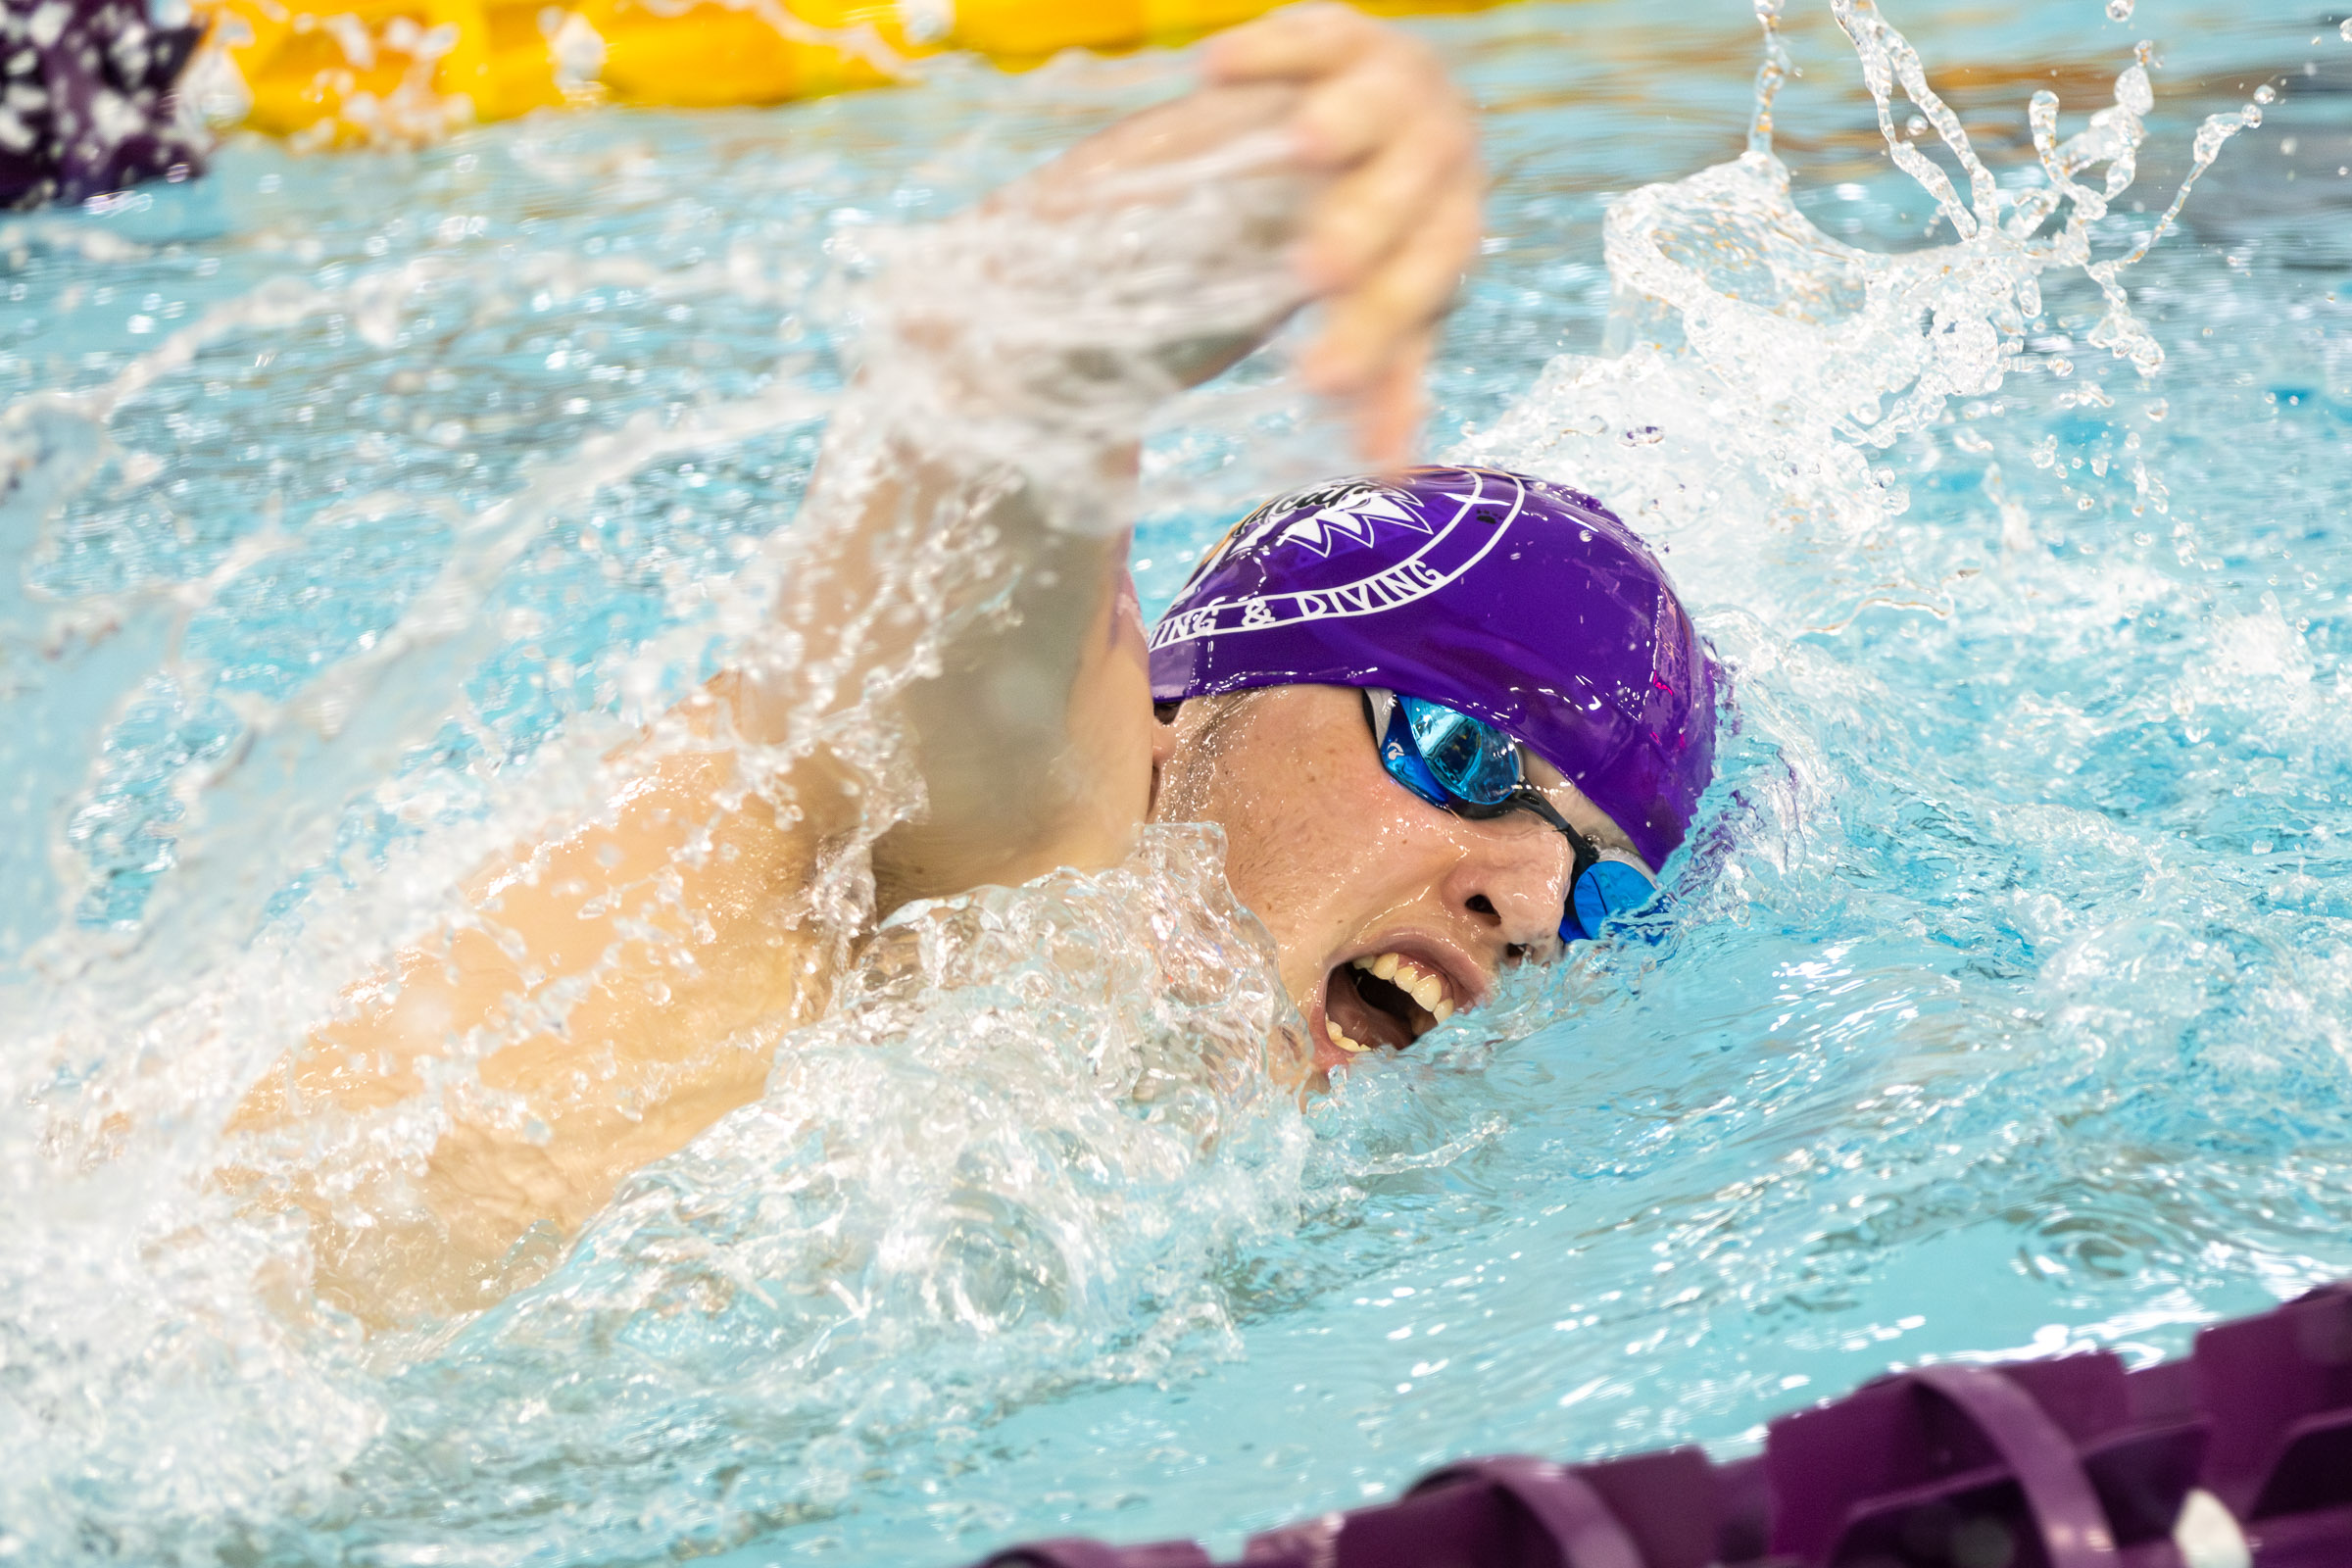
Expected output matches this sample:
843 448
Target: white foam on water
1019 1155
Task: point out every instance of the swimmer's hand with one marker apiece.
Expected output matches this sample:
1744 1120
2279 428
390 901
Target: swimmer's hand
1325 157
1386 242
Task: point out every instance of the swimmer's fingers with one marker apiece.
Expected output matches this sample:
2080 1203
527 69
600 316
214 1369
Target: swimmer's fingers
1387 243
1376 208
1368 327
1296 43
1395 91
1368 86
1390 412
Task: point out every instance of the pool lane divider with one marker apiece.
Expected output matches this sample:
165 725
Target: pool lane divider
2239 1455
90 87
85 100
90 91
370 72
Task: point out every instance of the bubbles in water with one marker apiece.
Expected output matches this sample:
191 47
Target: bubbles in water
1016 1158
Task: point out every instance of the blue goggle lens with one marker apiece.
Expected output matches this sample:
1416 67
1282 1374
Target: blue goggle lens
1609 890
1473 759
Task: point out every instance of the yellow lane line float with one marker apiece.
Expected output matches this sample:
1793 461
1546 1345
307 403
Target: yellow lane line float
334 71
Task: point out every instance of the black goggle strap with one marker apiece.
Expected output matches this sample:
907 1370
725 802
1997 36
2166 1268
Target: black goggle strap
1572 929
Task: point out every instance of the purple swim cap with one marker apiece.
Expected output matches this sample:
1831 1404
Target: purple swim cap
1518 602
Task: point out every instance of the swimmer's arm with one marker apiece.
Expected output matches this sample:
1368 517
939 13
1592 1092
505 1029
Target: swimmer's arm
623 959
606 977
1036 740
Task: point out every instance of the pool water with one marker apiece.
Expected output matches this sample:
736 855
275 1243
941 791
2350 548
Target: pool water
359 503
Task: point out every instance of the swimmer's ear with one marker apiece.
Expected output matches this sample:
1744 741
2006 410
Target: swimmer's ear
1164 748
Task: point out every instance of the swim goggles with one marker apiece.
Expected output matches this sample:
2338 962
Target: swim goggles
1467 766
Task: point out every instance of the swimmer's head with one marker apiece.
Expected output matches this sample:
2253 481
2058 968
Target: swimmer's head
1397 894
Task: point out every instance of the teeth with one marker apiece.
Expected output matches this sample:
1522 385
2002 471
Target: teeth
1426 987
1339 1038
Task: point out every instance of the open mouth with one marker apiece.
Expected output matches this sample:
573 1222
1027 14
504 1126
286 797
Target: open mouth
1384 998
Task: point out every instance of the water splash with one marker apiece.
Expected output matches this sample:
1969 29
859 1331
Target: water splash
1030 1156
1005 1168
1755 363
1104 1044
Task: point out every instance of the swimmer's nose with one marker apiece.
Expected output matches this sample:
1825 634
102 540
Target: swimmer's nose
1511 888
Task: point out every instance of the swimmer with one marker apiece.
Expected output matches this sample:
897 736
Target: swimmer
1448 719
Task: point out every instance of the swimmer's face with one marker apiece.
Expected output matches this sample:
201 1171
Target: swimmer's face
1391 914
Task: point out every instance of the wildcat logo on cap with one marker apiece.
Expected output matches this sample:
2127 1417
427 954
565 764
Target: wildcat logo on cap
1457 526
1321 519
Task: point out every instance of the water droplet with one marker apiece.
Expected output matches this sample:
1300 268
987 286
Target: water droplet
2119 9
2266 94
2345 32
2132 89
